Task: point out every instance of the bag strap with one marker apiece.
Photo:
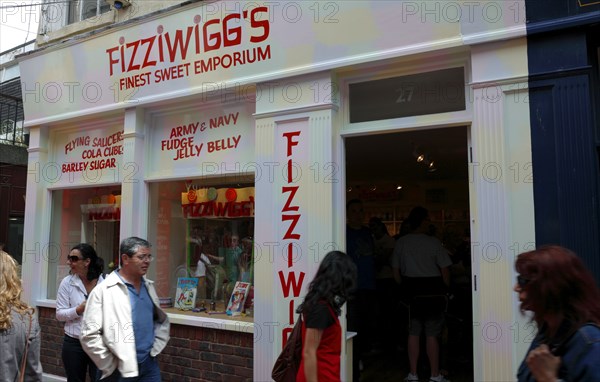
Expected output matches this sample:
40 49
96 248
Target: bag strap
24 360
204 261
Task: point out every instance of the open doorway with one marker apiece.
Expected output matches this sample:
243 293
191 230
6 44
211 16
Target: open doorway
390 174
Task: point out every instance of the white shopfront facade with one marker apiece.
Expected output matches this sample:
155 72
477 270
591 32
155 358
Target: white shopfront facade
258 94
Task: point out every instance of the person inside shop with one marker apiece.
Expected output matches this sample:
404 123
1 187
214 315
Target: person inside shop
233 252
320 310
555 285
459 315
85 273
387 289
204 271
404 230
245 262
19 328
421 264
361 305
126 306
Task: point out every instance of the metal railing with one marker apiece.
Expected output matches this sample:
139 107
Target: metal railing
11 121
9 54
11 103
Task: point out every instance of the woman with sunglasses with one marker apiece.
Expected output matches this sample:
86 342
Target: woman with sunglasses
85 273
554 284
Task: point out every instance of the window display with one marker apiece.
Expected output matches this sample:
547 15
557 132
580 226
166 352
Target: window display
204 231
83 215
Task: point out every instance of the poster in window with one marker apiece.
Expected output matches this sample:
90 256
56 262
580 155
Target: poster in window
238 298
185 297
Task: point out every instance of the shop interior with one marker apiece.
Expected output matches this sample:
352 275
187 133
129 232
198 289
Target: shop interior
392 173
84 215
204 231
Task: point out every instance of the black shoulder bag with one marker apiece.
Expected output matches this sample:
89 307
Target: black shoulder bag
287 364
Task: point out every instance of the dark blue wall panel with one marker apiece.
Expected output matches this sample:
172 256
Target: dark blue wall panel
564 90
545 10
565 166
556 51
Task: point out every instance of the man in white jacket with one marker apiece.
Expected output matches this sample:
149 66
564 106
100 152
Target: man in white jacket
123 327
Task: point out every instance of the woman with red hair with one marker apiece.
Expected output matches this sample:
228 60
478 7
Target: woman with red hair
554 284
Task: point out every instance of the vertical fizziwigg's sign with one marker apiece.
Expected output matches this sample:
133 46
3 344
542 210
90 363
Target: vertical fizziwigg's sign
290 278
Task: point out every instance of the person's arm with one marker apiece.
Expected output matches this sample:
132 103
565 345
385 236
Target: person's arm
446 275
33 370
212 258
312 339
443 261
161 324
64 310
397 276
91 332
396 263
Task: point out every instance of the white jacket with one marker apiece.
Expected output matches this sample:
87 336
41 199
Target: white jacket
107 329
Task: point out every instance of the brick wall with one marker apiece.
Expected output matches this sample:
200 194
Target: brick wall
193 354
52 339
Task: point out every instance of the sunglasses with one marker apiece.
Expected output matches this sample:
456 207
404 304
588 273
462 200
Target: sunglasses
144 258
74 258
522 281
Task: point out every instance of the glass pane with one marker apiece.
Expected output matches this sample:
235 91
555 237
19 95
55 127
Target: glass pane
418 94
85 215
104 6
15 238
74 8
90 9
204 230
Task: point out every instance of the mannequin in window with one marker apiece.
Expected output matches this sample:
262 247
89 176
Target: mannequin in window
205 274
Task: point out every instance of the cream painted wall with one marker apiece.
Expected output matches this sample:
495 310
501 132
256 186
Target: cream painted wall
502 209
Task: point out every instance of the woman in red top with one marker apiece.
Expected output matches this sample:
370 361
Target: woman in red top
321 330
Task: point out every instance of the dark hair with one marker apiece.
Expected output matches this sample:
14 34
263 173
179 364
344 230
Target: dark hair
131 245
96 267
353 201
335 279
558 283
376 223
416 217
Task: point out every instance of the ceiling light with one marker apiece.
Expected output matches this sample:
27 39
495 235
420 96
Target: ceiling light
421 158
373 188
398 187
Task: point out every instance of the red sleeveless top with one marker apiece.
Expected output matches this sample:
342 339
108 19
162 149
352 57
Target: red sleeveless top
328 352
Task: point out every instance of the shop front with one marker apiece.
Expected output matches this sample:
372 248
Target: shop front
218 131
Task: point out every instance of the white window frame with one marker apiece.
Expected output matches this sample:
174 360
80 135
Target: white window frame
80 6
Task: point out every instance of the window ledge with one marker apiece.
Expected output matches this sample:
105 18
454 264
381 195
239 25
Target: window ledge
46 303
218 321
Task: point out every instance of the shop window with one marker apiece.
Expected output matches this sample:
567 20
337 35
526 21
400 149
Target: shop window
84 9
85 215
202 230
